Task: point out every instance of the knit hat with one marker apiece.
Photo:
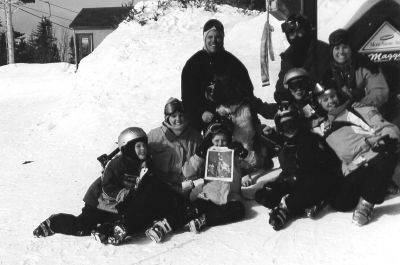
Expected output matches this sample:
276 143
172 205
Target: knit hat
213 24
339 36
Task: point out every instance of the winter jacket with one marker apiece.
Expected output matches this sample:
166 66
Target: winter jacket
169 152
315 60
359 81
219 192
108 190
305 155
247 131
350 131
201 70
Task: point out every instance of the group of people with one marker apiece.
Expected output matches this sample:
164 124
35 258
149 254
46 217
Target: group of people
333 145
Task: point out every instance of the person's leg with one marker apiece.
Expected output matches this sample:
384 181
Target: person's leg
271 194
348 191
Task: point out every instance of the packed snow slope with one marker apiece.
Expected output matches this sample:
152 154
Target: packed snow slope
55 122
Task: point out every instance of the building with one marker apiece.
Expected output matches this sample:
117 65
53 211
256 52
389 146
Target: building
92 25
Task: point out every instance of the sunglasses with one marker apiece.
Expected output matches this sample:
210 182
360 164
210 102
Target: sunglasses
290 26
300 84
171 107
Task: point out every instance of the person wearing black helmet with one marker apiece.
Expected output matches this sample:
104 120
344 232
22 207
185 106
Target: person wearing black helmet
172 144
201 73
305 51
354 76
308 171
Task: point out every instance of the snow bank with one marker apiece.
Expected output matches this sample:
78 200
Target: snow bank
54 123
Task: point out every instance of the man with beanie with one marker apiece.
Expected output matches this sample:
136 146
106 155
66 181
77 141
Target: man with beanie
201 71
305 51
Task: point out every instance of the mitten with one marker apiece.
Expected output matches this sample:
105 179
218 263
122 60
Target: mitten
238 149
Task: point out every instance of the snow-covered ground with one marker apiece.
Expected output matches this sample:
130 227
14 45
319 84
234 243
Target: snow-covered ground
59 121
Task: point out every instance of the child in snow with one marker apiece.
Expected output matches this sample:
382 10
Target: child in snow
215 202
120 175
308 172
367 146
106 202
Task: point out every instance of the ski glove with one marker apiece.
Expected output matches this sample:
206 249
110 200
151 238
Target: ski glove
238 149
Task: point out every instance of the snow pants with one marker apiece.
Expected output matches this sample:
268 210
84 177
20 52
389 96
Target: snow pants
215 214
83 224
303 193
369 182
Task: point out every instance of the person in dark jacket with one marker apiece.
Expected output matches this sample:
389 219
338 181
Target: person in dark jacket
309 170
305 51
120 176
199 76
354 77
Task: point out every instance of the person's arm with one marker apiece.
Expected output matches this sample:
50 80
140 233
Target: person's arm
376 87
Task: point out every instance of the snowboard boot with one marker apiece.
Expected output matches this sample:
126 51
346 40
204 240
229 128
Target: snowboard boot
109 233
158 231
363 212
197 224
44 229
279 216
312 212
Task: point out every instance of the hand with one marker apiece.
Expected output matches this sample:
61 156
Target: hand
267 130
130 181
247 181
207 117
238 149
201 150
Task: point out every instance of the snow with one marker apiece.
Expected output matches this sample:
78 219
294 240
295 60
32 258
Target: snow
62 120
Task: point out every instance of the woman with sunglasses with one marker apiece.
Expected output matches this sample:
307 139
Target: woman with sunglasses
172 144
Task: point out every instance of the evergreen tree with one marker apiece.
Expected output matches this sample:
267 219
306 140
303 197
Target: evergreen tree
44 44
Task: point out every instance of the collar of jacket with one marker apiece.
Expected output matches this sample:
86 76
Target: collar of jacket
336 111
170 134
291 50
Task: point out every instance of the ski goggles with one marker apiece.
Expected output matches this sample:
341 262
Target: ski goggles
290 26
173 106
298 84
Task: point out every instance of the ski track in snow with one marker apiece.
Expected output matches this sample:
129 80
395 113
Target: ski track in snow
63 120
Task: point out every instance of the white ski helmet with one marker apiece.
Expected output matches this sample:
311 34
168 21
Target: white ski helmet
293 74
131 134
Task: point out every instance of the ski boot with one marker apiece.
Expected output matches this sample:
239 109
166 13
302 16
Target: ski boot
158 231
311 212
279 216
44 229
109 233
363 212
197 224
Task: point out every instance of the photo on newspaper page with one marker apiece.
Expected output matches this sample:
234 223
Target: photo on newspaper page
219 164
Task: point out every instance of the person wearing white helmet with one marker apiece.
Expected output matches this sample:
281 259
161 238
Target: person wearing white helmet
121 174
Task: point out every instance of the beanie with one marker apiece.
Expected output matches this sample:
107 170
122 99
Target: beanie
339 36
213 24
172 105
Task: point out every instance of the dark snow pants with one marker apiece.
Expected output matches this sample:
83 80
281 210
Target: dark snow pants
82 224
305 192
215 214
369 182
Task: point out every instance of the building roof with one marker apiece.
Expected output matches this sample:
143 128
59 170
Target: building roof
101 17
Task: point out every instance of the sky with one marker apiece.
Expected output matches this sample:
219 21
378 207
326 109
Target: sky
62 12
